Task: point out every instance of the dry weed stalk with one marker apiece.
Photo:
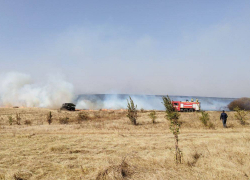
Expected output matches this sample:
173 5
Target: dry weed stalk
195 156
2 177
18 119
173 117
22 175
49 117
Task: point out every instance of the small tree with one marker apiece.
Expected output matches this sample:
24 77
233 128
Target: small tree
10 120
240 115
152 115
132 111
49 117
205 119
173 116
18 119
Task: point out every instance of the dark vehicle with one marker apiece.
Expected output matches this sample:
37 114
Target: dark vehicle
68 106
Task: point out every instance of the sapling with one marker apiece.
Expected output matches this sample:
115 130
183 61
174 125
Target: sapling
152 115
173 116
49 117
132 111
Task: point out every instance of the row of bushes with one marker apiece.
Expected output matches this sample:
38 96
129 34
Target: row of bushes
82 116
238 104
62 120
18 120
65 120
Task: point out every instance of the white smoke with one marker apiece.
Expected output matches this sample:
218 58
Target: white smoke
18 89
147 102
116 102
87 104
142 102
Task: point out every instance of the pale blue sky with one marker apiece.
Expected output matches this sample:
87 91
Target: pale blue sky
140 47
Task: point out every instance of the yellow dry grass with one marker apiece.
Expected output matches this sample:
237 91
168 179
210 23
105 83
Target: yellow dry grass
109 147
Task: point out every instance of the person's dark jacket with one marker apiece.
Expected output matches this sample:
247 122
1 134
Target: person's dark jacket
223 116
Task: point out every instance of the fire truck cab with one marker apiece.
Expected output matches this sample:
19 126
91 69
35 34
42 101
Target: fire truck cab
186 106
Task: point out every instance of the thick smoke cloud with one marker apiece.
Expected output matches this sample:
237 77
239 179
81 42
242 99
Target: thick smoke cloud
18 89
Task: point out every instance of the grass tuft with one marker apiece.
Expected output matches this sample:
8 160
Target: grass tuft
64 120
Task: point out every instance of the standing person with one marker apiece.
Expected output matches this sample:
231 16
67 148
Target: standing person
223 117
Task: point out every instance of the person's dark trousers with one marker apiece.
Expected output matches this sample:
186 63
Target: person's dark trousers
224 121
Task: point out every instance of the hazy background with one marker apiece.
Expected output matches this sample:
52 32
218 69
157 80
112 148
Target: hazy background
193 48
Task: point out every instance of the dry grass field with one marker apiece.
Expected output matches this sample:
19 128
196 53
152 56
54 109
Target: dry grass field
108 146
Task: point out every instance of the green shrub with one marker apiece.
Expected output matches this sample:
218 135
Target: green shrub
132 111
152 116
10 120
204 118
240 115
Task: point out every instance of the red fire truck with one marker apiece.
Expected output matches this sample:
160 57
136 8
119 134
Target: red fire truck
187 106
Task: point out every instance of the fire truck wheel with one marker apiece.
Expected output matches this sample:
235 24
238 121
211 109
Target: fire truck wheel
185 110
191 110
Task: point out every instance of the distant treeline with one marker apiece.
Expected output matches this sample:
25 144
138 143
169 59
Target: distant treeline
242 103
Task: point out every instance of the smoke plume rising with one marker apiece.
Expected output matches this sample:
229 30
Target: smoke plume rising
18 89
